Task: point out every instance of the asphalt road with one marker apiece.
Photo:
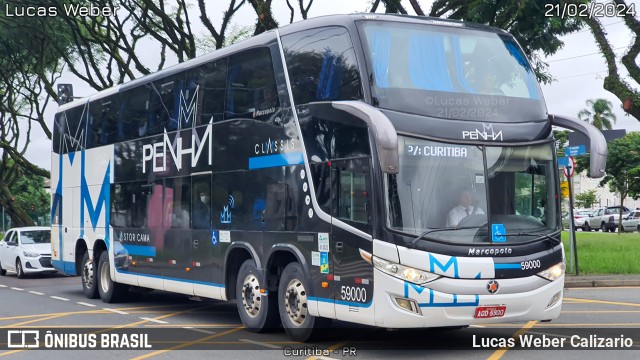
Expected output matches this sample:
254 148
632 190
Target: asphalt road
56 303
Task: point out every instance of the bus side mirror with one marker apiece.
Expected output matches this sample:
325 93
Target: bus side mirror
598 148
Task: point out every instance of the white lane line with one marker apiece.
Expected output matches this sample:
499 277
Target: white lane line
84 303
15 288
116 311
270 346
154 320
199 330
35 293
477 326
59 298
3 285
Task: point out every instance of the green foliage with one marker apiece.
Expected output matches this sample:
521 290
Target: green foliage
598 113
623 166
586 199
30 195
600 253
562 140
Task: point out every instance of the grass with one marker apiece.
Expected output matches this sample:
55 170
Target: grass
606 253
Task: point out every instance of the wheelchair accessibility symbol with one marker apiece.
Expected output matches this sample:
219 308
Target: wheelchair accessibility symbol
498 233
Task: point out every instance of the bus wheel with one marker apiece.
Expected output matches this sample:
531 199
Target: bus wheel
89 283
109 290
256 306
293 305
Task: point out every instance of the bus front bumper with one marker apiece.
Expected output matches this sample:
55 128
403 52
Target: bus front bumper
430 308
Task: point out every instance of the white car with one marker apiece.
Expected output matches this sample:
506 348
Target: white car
26 250
631 222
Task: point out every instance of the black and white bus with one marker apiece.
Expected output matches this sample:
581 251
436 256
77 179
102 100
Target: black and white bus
384 170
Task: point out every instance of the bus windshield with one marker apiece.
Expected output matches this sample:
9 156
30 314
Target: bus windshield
468 193
450 72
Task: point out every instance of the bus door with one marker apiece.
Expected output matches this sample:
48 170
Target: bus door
204 241
353 276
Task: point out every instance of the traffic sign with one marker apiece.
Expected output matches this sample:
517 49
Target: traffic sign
564 189
571 168
575 150
563 161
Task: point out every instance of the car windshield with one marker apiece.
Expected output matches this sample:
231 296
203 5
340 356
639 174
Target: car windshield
450 72
35 237
466 193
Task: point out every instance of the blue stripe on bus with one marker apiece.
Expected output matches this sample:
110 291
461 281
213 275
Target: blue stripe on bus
261 162
66 267
340 302
506 266
170 278
140 250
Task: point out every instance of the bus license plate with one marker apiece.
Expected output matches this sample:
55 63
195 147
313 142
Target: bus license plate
491 311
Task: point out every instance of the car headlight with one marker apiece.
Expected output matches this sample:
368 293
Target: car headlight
403 272
30 254
553 273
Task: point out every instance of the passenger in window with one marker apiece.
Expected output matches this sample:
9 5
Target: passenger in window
202 211
463 209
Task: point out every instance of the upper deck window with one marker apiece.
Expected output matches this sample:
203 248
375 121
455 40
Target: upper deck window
448 72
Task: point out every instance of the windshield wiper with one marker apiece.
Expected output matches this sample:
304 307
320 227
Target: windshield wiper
531 234
413 242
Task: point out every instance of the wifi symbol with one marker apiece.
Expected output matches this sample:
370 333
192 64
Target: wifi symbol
232 202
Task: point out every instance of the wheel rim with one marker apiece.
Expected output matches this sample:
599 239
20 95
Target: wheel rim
603 228
87 274
104 277
295 302
251 295
19 268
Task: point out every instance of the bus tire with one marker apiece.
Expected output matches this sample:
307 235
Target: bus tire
293 305
109 290
88 277
258 312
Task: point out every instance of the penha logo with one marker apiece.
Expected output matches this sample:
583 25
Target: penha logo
158 151
487 133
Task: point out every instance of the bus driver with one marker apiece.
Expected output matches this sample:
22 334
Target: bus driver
462 210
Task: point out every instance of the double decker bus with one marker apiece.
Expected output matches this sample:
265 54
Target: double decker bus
385 170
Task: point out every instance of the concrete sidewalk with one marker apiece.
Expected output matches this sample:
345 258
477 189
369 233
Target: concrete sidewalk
572 281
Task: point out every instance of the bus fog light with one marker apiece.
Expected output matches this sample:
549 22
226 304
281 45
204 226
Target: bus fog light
553 273
407 304
555 299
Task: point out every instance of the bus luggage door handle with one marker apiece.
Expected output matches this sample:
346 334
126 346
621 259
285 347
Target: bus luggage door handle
195 243
339 246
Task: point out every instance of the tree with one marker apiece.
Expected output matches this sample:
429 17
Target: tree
615 83
586 199
623 168
598 113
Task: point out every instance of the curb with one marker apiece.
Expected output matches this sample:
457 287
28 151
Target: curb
601 283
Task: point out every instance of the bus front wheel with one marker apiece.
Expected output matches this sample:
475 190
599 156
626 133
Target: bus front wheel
109 290
89 283
293 305
256 306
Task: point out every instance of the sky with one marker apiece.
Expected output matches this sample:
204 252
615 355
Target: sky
578 68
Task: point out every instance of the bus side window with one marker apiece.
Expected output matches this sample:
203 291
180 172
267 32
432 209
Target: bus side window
134 120
206 90
178 203
164 104
322 65
201 202
251 86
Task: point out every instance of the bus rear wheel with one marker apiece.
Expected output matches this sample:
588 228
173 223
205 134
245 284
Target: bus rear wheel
89 283
293 305
109 290
256 306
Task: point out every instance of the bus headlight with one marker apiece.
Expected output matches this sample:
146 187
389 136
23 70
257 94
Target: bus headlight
403 272
553 273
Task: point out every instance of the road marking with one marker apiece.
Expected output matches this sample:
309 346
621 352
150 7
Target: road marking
35 293
85 304
2 285
186 344
193 325
10 352
270 346
598 311
59 298
477 326
154 320
17 288
116 311
500 352
603 302
199 330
